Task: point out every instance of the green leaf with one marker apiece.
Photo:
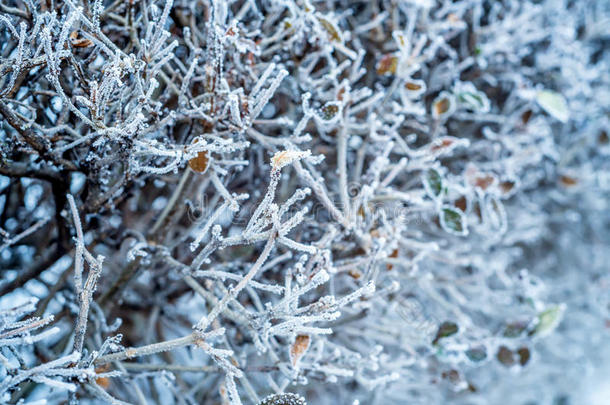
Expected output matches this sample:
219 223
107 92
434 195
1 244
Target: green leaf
548 320
554 104
476 101
453 221
445 329
433 183
476 354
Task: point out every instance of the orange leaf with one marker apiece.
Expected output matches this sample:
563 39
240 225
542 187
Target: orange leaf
298 348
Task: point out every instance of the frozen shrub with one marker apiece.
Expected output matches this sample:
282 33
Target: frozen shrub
304 201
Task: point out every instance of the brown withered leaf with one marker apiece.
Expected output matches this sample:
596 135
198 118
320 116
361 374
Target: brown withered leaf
505 356
441 143
103 382
200 162
568 181
484 181
413 86
507 186
79 42
392 255
442 106
387 64
330 28
354 273
298 348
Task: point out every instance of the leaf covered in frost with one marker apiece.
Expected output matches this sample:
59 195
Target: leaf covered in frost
554 104
445 329
548 320
433 182
453 221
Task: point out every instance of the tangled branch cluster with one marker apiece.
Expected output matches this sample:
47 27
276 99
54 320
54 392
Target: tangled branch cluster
280 201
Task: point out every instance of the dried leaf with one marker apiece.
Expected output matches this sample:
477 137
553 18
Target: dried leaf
103 382
387 64
392 255
484 181
524 355
507 187
443 106
461 203
354 273
334 34
79 42
283 158
298 348
414 88
200 162
568 181
505 356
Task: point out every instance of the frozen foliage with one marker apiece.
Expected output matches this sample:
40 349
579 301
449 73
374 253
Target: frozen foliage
304 201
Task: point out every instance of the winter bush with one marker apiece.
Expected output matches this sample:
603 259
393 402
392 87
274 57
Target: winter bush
304 201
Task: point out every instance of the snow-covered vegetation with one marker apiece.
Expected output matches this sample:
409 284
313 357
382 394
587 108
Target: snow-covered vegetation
304 201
